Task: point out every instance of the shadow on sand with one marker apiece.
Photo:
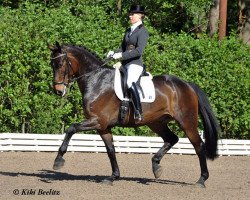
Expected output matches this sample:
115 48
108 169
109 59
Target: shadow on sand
49 176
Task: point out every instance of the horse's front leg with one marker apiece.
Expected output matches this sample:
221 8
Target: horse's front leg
59 161
108 141
90 124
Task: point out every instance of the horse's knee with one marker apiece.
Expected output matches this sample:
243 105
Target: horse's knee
71 130
174 139
169 137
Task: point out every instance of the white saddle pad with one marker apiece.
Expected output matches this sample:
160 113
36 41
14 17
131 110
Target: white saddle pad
146 84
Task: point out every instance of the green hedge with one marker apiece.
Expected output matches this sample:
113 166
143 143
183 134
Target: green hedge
27 103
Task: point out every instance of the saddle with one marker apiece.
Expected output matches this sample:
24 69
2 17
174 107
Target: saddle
144 86
124 77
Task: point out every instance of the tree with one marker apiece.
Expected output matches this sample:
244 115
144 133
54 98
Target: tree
214 17
244 20
119 7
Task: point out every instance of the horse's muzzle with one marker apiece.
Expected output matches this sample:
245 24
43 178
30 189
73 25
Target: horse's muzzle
60 89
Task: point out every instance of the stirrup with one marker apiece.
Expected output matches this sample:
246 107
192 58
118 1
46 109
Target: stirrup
138 116
123 111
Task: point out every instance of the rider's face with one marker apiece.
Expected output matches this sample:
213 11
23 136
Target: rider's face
135 17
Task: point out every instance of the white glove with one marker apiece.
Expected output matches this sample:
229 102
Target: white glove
110 54
117 65
117 56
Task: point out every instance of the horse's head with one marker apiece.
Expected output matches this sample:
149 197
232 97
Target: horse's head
63 69
69 63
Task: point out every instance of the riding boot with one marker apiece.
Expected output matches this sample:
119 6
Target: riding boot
136 102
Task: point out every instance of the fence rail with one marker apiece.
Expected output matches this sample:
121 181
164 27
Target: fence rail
123 144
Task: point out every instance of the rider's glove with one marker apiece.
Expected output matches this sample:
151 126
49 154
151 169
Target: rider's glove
117 56
110 54
117 65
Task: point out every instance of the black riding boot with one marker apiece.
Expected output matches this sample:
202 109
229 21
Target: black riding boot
136 102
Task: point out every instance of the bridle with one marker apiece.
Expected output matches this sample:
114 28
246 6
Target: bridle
66 72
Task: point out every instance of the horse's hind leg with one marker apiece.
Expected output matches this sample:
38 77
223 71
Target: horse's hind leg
200 150
169 138
191 130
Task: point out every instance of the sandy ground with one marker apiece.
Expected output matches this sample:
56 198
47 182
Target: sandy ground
29 175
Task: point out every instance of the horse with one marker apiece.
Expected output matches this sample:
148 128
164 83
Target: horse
176 100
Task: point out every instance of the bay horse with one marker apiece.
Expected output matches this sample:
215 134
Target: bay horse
175 100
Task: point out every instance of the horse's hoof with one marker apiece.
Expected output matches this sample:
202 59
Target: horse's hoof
158 171
58 164
200 184
107 182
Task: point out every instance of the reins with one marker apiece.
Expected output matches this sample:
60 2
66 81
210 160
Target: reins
106 61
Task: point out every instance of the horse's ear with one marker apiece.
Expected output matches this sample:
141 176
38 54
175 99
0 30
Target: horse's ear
58 46
52 47
55 47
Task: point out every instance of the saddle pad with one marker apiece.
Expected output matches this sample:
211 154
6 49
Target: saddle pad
146 84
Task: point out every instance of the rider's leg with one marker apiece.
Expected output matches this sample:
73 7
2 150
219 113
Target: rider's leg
134 73
136 102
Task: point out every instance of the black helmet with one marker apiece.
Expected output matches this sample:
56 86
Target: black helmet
137 9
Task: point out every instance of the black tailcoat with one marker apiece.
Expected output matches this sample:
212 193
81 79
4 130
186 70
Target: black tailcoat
133 45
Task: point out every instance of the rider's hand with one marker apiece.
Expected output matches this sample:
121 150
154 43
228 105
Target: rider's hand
117 65
117 56
110 54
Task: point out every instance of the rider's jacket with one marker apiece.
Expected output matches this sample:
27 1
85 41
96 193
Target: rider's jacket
133 45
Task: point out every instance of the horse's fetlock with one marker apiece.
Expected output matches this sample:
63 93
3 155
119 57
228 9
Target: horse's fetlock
63 149
155 160
205 175
116 175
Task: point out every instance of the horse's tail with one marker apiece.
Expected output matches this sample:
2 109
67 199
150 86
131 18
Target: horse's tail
210 123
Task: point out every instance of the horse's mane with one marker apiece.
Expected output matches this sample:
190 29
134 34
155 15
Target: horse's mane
85 51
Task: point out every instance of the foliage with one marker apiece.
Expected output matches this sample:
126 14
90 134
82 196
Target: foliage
220 68
27 103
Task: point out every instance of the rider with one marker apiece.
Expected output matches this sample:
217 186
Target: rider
130 53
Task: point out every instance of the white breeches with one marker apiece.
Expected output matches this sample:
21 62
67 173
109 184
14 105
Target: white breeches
134 71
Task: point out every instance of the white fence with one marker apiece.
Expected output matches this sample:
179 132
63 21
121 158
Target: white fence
123 144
